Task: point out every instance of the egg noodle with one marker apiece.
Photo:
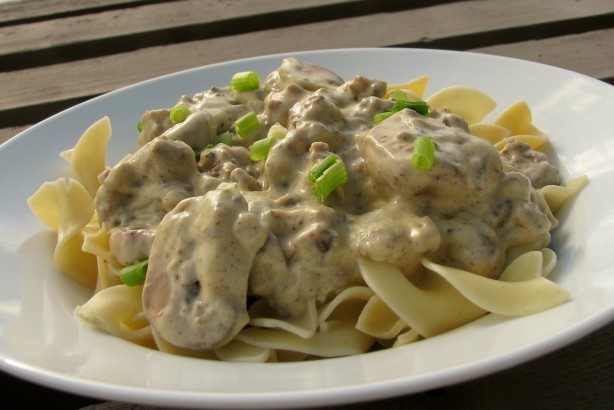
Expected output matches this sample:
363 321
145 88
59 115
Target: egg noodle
385 300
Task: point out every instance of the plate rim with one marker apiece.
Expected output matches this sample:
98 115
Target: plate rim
334 395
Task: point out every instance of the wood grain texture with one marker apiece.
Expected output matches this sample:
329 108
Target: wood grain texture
143 18
119 30
459 18
57 53
594 47
77 80
14 12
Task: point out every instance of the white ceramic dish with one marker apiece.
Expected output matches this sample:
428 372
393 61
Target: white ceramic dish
41 342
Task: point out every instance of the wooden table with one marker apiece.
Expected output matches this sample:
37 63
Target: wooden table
57 53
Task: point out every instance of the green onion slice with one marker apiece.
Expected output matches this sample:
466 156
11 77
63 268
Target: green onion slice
247 124
398 95
420 107
226 138
259 150
244 81
179 113
381 116
318 169
139 127
327 175
134 275
424 153
334 177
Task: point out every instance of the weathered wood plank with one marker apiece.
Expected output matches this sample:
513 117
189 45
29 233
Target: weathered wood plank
149 18
28 10
158 17
593 47
588 53
94 76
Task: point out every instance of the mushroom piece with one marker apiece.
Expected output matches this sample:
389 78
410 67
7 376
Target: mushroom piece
195 293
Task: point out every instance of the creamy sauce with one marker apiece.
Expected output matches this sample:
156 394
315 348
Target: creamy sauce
224 228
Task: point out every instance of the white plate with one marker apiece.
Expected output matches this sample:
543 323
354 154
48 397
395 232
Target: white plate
40 340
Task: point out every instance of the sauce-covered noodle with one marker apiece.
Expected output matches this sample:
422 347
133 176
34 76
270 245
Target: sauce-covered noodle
249 261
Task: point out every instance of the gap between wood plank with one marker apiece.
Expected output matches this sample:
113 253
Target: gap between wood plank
95 35
123 30
21 107
30 11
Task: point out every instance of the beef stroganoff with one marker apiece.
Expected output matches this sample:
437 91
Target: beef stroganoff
309 217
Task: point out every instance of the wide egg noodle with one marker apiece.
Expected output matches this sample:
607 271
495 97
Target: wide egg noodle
467 102
548 261
379 321
119 311
556 195
340 339
237 351
417 86
106 277
96 242
488 131
338 307
87 158
529 265
503 298
336 334
262 315
66 207
407 337
431 309
518 119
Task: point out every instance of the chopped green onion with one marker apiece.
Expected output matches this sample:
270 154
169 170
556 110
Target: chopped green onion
244 81
381 116
420 107
332 178
134 275
247 124
226 138
139 126
398 95
259 150
424 153
179 113
318 169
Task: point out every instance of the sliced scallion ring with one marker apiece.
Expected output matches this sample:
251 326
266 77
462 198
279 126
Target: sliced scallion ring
424 153
259 150
179 113
327 175
134 275
244 81
247 124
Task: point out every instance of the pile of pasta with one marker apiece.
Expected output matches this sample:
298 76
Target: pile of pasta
388 311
